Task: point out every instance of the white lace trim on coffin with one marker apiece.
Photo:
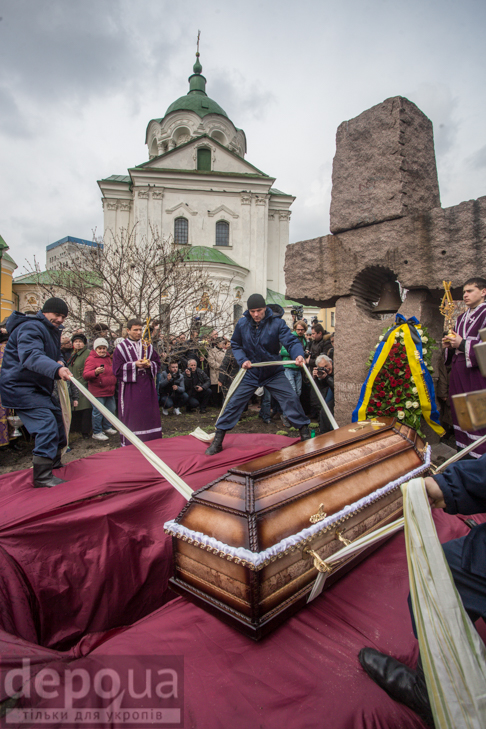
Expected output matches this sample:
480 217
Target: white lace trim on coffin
258 559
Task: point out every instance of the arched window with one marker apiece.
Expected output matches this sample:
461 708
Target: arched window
204 159
222 233
181 231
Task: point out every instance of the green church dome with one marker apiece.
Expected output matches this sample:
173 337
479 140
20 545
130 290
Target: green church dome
196 99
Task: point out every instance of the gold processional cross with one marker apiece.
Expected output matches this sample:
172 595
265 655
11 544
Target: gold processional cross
447 307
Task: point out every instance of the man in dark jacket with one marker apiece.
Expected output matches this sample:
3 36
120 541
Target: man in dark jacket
258 336
323 374
171 390
198 387
31 364
459 490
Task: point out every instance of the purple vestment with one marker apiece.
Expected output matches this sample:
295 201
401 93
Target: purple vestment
138 404
465 374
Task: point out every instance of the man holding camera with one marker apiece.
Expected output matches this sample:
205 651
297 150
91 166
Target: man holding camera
171 390
323 374
197 386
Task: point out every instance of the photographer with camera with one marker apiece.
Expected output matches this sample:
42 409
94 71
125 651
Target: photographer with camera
171 390
323 374
320 343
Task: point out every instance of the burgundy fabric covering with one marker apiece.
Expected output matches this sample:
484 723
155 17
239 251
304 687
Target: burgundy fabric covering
80 560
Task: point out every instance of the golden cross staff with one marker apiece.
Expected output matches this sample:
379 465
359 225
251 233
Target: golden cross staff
447 307
198 36
146 339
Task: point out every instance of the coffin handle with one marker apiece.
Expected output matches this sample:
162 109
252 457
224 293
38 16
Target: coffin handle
319 563
339 535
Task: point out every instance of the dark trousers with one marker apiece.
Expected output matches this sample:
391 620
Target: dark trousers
47 427
81 421
216 396
175 399
471 588
198 400
268 404
279 387
324 422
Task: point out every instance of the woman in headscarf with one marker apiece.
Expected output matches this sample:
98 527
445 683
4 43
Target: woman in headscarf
81 420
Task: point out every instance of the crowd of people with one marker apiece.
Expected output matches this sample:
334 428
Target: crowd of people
195 373
144 380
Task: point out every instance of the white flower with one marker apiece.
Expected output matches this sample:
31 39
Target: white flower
380 338
420 331
425 340
408 404
424 351
402 333
401 414
415 405
412 379
429 368
414 390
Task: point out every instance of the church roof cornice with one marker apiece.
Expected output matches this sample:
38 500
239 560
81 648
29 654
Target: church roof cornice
193 141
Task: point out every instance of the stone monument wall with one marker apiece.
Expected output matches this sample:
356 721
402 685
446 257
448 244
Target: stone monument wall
386 223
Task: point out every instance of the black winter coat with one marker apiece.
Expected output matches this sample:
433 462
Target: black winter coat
197 378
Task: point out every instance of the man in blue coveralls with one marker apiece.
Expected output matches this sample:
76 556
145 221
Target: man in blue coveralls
258 337
31 363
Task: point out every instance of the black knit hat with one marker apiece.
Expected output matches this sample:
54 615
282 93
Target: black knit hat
256 301
79 336
55 306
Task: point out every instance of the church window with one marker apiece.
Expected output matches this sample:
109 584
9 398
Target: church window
181 230
204 159
222 233
237 312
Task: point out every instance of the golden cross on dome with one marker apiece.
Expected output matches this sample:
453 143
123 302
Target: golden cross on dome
198 36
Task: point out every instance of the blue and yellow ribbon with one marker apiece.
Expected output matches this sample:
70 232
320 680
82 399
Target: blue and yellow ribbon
418 369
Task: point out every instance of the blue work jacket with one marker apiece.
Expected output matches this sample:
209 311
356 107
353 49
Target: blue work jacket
30 362
464 487
261 342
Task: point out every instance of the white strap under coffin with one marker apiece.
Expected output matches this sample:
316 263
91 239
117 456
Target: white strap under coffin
241 373
453 654
256 560
159 465
200 434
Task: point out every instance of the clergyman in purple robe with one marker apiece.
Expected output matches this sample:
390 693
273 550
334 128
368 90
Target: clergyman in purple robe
465 374
138 405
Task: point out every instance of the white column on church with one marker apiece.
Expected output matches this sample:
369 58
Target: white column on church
247 238
260 237
283 241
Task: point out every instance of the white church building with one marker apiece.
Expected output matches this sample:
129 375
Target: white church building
198 188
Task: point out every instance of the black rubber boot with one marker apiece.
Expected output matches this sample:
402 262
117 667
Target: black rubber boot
43 476
305 433
217 444
399 681
57 463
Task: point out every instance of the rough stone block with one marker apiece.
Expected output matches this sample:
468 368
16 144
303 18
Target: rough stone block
422 250
384 167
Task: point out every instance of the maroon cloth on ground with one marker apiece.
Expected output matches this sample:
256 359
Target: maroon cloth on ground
305 674
465 375
138 403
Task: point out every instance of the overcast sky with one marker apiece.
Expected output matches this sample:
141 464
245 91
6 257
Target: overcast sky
80 80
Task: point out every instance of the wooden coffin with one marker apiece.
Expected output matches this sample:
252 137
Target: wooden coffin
239 543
